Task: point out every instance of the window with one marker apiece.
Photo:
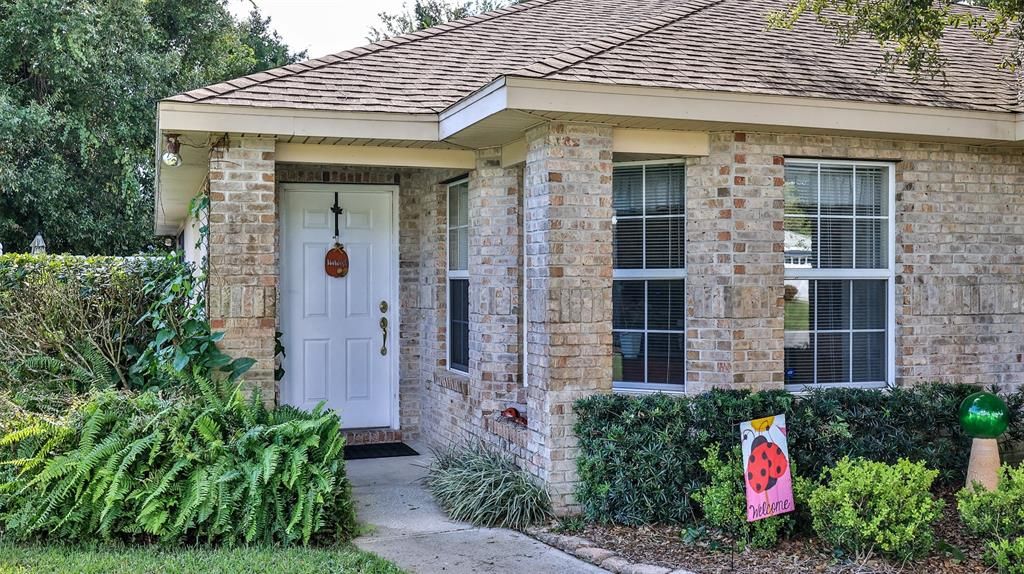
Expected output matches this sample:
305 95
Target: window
458 276
839 236
649 288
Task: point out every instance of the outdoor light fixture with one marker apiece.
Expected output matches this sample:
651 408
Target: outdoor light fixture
171 157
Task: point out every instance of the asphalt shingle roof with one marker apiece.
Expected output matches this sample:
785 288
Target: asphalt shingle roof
718 45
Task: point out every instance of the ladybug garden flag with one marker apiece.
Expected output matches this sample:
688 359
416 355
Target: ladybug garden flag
766 469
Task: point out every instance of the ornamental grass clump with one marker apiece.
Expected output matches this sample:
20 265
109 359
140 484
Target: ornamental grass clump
865 507
477 484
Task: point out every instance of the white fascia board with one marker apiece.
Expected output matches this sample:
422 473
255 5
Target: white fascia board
371 155
760 110
188 117
479 105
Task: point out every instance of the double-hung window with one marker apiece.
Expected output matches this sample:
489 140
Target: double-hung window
649 288
839 237
458 276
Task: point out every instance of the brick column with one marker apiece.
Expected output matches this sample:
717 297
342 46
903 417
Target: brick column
495 272
243 255
568 222
735 264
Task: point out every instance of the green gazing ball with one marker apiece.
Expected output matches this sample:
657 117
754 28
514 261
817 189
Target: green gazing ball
984 415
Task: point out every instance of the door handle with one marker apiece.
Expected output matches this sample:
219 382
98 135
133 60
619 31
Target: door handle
384 329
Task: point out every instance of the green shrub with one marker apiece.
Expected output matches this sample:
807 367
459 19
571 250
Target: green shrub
67 308
998 513
199 464
72 324
723 501
997 516
1007 555
478 484
864 507
639 460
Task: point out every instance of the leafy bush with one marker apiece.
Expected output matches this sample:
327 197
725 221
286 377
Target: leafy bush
864 507
1008 555
639 460
997 516
68 308
723 501
202 464
70 324
997 513
478 484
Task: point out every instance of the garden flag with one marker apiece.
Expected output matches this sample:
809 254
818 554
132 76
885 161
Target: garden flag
766 470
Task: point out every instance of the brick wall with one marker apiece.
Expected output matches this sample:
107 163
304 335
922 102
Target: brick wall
568 221
495 282
959 250
734 259
243 254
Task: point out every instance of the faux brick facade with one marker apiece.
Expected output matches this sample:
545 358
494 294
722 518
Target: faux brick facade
243 276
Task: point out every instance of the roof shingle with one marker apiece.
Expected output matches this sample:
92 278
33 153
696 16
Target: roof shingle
717 45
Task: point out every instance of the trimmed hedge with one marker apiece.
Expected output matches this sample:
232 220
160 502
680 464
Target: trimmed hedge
639 460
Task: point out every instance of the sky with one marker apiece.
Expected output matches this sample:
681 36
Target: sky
321 26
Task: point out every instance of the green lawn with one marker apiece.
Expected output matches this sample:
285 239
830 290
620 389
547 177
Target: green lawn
16 559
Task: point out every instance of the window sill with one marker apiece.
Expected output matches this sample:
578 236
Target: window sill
647 389
452 380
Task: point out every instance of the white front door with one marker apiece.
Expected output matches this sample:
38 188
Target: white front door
332 327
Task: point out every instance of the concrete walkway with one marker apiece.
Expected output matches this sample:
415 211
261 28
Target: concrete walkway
408 528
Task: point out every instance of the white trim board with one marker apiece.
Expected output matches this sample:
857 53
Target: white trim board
753 111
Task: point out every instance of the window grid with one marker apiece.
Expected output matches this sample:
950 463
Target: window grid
849 275
646 274
456 275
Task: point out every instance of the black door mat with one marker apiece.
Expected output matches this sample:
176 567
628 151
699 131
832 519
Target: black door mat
383 450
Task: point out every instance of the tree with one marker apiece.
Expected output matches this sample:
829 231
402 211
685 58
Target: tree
79 82
909 31
428 13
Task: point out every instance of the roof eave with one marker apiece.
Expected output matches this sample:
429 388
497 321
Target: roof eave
214 118
537 99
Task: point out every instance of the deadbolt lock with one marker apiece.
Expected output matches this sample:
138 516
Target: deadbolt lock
383 306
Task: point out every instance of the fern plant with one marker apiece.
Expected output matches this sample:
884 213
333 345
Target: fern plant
205 465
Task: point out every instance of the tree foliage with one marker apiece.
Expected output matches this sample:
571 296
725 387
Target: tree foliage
428 13
79 82
910 31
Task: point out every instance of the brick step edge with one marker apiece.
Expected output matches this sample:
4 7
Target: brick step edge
587 551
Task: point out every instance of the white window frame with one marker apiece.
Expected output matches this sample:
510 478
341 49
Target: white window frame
888 275
653 275
451 274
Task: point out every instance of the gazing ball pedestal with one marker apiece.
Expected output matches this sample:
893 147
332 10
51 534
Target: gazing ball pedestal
984 417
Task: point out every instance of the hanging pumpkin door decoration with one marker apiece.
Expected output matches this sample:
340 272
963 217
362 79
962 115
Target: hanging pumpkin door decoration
336 260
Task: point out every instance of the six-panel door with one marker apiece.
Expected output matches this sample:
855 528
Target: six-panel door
332 327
